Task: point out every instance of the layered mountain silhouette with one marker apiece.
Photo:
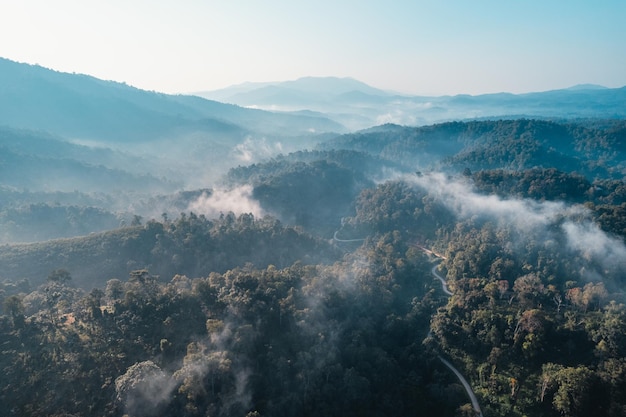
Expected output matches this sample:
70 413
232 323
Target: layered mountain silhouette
71 140
65 132
360 106
84 107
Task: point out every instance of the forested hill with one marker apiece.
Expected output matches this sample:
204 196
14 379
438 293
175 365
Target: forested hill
191 245
81 106
252 318
588 147
312 189
37 161
341 298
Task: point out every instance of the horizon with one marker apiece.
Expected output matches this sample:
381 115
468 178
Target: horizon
412 47
277 82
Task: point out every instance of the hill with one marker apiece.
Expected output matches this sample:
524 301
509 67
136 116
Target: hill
191 245
313 190
367 277
40 162
84 107
593 149
295 93
505 274
513 276
360 106
71 133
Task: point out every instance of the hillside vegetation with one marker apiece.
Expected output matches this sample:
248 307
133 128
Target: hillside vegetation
535 321
330 302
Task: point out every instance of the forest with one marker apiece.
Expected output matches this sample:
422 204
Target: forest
498 246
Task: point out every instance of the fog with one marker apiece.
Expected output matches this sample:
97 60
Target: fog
144 389
251 150
593 245
597 253
238 200
460 197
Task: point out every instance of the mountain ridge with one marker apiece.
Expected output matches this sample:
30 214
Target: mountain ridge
359 106
82 106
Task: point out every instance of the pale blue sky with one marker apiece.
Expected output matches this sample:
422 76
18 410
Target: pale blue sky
412 46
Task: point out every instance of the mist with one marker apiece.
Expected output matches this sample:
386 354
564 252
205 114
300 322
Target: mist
144 389
251 150
238 200
597 252
460 197
592 244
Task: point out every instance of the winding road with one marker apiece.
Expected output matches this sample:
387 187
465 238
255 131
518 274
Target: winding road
459 375
336 239
466 385
444 284
446 290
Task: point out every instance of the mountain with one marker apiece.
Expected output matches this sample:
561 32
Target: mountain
509 264
166 248
179 139
295 92
595 150
23 144
358 106
340 99
80 155
83 107
345 277
587 87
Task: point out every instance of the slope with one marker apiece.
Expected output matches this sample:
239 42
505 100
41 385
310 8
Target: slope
81 106
593 149
192 245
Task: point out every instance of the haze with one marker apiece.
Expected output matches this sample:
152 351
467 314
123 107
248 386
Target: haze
416 47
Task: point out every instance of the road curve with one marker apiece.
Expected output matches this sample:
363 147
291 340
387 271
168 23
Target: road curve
336 239
465 384
444 284
459 375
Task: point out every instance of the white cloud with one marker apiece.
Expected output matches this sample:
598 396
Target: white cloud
593 244
251 149
459 196
238 200
599 252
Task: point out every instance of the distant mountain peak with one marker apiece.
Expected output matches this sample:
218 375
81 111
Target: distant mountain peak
587 87
308 84
83 107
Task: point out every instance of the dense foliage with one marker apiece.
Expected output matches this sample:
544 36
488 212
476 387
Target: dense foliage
311 190
55 221
335 340
593 149
338 308
192 245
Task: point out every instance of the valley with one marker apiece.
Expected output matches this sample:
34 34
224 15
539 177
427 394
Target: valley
173 255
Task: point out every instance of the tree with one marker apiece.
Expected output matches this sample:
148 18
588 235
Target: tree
143 389
572 395
114 290
529 289
14 306
549 375
60 276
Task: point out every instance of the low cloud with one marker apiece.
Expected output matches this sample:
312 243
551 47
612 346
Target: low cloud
144 389
594 245
239 200
598 252
460 197
396 116
251 149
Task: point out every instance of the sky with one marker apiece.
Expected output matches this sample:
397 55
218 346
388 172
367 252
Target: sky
423 47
